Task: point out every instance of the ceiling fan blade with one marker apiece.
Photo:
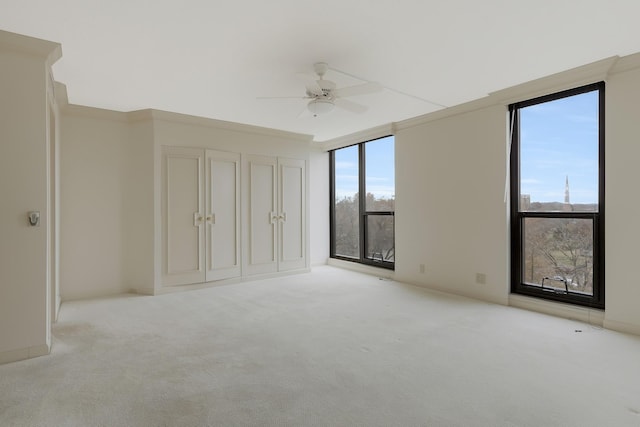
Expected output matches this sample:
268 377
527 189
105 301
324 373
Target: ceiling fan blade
310 83
361 89
305 113
350 106
282 97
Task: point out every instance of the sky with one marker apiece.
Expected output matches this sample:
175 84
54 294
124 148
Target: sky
559 139
380 169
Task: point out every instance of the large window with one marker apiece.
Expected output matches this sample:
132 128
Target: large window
362 228
557 195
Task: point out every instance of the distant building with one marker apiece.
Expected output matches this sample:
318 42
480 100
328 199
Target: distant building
567 200
525 202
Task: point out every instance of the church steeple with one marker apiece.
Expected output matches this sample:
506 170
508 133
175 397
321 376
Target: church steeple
566 191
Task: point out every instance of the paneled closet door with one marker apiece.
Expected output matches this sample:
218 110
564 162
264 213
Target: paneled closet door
291 203
183 216
222 215
261 245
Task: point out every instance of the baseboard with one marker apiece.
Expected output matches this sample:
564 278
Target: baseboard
142 291
627 328
58 303
24 353
225 282
319 263
591 316
180 288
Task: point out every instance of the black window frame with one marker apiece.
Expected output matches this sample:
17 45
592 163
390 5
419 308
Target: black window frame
363 214
518 286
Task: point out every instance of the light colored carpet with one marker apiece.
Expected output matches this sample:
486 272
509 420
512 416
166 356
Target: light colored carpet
329 348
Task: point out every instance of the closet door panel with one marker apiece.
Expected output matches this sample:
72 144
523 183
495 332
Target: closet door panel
182 216
292 214
223 210
262 244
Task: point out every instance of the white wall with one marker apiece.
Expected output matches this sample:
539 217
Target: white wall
94 181
450 213
139 192
24 185
319 206
622 201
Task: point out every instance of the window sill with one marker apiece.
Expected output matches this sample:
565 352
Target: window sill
362 268
591 316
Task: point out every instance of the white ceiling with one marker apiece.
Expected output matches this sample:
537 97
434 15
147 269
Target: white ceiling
213 59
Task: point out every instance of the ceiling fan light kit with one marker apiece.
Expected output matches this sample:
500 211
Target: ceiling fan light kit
320 106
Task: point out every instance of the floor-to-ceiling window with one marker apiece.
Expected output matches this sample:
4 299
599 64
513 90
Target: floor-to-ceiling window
362 227
557 196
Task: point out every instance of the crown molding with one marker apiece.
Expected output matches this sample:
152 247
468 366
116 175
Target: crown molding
93 113
357 137
626 63
444 113
169 117
50 51
60 94
221 124
579 76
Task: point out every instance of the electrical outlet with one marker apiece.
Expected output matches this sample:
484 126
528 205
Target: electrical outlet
422 268
481 278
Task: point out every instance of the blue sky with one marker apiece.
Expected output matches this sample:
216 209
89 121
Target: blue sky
380 178
560 139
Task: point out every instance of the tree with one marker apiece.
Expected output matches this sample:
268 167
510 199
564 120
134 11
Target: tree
559 248
347 228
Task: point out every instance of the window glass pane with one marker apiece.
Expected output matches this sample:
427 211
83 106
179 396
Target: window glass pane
380 179
559 155
347 228
380 245
560 252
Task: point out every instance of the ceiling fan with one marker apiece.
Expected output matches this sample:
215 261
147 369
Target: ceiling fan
323 95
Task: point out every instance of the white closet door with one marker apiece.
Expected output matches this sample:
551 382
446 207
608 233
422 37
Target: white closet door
262 215
222 215
182 216
291 203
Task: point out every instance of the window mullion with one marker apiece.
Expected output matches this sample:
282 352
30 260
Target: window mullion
362 201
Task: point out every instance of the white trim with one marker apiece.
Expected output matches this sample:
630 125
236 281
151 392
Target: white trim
569 79
24 353
166 116
456 110
94 113
221 124
179 288
358 137
579 76
628 328
51 51
626 63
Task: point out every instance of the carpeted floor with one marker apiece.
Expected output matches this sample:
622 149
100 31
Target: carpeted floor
329 348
